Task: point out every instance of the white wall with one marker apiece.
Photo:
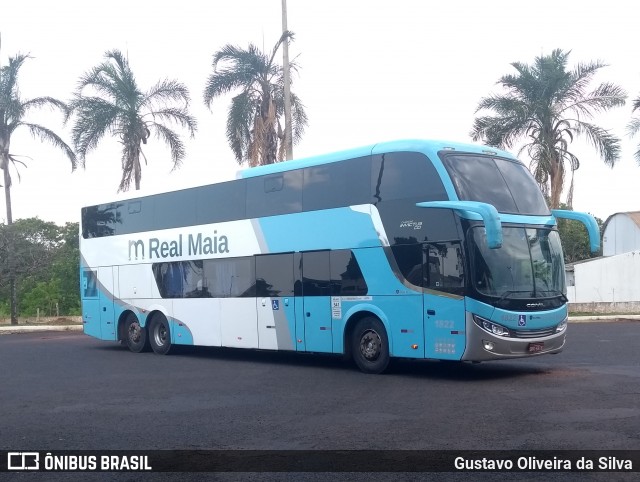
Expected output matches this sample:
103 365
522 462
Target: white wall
610 279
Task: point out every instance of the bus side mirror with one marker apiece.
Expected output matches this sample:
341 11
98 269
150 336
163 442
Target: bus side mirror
588 220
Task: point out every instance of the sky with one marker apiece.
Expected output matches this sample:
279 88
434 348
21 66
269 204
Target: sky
370 71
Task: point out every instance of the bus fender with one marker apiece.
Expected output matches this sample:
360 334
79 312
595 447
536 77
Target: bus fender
362 308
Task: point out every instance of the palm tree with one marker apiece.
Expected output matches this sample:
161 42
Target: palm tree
13 111
549 105
116 105
634 127
254 131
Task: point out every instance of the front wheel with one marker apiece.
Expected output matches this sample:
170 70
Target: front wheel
160 335
370 345
135 335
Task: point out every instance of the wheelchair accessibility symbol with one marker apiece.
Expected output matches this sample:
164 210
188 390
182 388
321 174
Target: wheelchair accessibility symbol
275 305
522 320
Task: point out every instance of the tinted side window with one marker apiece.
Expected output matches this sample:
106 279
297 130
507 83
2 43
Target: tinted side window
100 220
444 267
409 258
316 275
346 276
181 279
135 215
403 175
174 209
337 184
220 202
274 194
89 284
274 275
230 277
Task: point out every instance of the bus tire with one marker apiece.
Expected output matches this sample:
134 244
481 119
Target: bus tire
135 335
370 345
159 334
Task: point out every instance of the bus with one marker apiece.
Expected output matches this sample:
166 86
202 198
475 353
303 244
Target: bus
412 249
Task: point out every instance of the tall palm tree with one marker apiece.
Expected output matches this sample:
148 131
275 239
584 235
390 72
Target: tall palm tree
254 131
108 100
634 127
548 106
13 112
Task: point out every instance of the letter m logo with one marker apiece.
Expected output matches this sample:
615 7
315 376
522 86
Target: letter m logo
137 247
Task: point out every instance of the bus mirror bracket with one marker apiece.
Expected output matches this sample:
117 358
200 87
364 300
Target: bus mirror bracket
588 220
474 210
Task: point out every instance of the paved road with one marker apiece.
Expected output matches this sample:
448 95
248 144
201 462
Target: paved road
68 391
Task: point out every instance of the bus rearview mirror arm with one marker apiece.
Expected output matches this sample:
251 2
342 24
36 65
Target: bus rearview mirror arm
476 211
588 220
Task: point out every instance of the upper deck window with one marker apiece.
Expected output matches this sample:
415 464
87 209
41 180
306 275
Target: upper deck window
506 184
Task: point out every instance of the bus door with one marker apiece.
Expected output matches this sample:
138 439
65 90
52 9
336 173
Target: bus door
444 311
275 302
90 302
107 323
316 291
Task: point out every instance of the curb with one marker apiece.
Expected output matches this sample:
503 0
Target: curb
13 329
601 318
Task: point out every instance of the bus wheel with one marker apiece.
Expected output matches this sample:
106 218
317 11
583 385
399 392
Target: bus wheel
370 345
135 335
159 334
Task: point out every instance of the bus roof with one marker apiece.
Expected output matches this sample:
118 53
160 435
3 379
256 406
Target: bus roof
428 147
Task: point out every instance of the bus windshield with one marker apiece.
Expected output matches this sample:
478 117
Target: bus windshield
528 265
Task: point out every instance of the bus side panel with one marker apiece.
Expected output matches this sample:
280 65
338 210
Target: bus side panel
445 335
202 318
90 302
107 320
239 322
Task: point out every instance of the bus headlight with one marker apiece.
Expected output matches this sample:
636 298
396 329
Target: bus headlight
562 325
491 327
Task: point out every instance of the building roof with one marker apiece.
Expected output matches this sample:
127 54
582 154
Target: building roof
633 215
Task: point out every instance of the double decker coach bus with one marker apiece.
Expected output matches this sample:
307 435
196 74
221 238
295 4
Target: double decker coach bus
414 249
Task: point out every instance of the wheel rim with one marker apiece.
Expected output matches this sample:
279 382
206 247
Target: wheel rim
135 332
160 335
370 345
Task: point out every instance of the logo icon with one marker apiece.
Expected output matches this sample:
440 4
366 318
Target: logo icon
522 320
23 461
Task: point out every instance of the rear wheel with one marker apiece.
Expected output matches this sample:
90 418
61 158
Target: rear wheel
370 345
160 334
135 335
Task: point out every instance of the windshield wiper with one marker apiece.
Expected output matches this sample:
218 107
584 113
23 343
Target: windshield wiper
559 293
508 293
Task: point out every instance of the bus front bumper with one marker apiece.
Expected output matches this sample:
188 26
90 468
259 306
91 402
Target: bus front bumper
484 346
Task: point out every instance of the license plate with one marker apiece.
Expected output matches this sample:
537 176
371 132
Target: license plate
535 347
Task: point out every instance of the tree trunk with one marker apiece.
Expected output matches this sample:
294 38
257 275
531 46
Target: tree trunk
13 295
556 178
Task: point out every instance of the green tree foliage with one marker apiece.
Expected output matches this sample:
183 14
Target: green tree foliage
109 101
14 111
547 106
575 239
46 261
634 126
254 131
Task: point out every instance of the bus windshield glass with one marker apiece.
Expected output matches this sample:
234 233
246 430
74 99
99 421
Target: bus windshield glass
506 184
528 265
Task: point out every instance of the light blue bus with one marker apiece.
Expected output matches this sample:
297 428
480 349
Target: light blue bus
414 249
